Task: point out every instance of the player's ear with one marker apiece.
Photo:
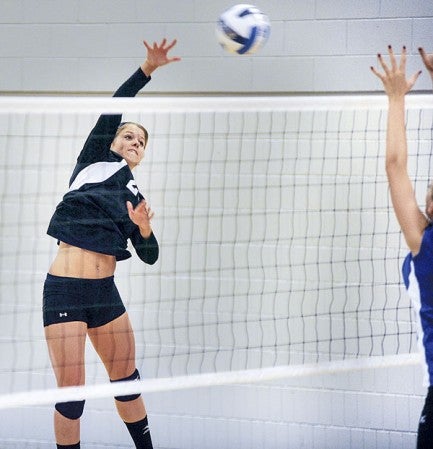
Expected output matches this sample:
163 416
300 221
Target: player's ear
113 143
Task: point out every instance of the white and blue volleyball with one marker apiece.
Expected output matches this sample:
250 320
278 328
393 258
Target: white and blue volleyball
242 29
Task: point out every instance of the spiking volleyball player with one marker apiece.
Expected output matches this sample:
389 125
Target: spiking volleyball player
102 209
417 227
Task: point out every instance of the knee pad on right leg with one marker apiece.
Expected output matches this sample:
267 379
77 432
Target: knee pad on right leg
71 409
129 397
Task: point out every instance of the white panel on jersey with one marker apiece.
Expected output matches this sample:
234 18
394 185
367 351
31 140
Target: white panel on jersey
98 172
415 295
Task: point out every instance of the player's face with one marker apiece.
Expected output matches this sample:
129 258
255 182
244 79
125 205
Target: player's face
130 144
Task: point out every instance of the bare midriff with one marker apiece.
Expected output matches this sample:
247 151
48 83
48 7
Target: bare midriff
75 262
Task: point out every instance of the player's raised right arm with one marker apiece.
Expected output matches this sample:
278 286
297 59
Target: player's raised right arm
100 138
157 56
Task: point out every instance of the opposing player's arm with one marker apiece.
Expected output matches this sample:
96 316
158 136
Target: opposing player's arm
412 221
410 217
427 59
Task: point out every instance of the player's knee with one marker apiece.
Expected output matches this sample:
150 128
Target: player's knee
71 409
128 397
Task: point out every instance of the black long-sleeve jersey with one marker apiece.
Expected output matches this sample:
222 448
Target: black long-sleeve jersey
92 214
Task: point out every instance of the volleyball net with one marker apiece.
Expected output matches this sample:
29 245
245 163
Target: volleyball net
280 254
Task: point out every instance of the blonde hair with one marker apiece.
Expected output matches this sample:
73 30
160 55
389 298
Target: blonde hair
123 124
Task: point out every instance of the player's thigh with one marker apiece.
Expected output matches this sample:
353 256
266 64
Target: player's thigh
115 344
66 347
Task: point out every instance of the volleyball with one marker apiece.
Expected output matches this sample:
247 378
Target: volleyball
242 29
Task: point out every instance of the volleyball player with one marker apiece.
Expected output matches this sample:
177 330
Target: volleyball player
417 227
102 209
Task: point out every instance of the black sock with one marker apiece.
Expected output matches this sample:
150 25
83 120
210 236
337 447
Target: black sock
69 446
140 433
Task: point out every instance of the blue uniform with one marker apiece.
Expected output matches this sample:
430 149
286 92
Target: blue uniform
418 278
93 213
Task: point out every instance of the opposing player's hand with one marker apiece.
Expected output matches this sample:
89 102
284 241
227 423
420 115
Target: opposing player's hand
394 75
427 60
141 216
157 55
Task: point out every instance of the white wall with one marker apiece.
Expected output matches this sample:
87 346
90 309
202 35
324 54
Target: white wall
315 45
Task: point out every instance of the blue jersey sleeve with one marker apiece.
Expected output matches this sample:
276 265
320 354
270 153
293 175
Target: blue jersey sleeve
98 143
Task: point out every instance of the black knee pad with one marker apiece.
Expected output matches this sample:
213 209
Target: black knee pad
71 409
129 397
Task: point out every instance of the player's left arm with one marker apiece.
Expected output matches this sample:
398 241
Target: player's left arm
143 238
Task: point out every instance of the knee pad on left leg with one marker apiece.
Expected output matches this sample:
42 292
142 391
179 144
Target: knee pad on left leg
129 397
71 409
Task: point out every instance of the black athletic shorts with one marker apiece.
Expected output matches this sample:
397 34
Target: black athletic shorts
94 301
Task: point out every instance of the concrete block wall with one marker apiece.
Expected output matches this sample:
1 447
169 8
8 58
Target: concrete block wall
76 46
